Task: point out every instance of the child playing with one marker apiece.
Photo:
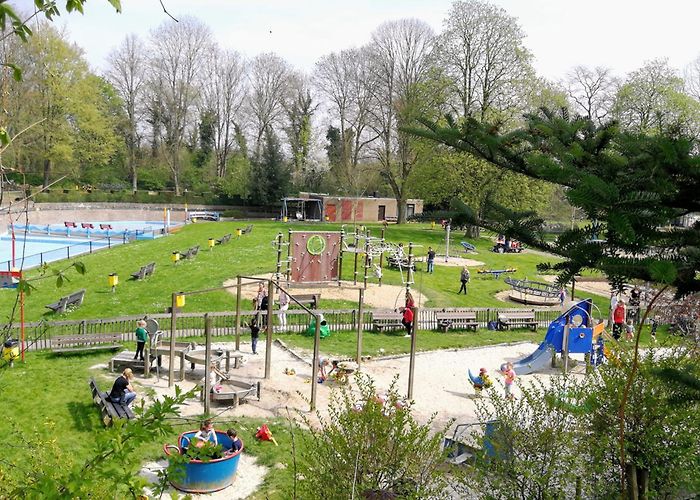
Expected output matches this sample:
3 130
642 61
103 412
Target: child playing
141 338
629 330
206 433
407 320
236 443
254 334
483 381
510 376
654 327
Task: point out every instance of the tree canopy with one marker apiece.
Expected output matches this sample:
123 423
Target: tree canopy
631 187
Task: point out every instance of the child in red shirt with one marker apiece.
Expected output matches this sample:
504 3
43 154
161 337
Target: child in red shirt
407 320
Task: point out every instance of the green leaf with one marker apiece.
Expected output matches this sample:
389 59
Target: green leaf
80 267
25 287
59 280
117 4
663 271
4 137
16 71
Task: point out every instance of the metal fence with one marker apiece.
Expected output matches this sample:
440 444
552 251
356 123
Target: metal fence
38 334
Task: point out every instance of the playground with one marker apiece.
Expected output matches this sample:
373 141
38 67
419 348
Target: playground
431 365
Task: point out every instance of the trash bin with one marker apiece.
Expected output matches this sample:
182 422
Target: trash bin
10 350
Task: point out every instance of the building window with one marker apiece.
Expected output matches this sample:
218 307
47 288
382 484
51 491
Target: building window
381 213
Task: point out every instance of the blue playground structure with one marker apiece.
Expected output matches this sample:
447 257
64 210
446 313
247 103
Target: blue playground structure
579 339
468 247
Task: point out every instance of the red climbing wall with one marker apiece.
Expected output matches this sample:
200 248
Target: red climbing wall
314 256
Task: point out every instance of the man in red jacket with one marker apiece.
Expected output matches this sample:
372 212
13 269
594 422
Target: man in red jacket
407 320
618 319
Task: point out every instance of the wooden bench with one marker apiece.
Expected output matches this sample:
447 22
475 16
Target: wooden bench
310 300
109 410
86 342
224 239
248 229
145 271
387 320
391 218
455 319
74 299
508 320
191 253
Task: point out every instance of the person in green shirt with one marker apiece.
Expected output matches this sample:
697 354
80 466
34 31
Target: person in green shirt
141 338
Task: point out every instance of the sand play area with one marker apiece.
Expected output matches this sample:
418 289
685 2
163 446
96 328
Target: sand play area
441 387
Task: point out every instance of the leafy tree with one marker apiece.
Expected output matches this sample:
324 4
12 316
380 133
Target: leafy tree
300 108
370 446
270 175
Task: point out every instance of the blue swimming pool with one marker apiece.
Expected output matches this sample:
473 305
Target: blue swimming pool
36 244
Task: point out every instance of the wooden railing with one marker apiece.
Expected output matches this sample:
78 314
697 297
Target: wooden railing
38 334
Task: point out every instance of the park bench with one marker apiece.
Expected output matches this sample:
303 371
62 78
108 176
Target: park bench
194 216
391 218
109 410
70 224
310 300
106 226
74 299
508 320
461 320
224 239
86 342
190 253
87 225
145 271
389 320
248 229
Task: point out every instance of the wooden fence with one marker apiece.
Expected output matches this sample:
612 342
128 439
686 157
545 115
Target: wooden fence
38 334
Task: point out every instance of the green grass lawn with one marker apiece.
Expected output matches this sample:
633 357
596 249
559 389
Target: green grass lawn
250 254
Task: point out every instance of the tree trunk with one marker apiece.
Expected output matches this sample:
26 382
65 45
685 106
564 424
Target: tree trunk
472 232
132 169
401 211
643 484
47 172
632 488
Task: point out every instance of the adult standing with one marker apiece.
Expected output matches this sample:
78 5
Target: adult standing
618 319
613 304
464 279
431 260
634 302
122 392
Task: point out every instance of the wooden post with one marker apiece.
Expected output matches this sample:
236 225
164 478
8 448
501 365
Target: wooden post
279 256
238 313
207 364
289 256
381 256
340 257
360 312
573 288
171 362
314 366
354 274
147 361
268 343
412 360
565 347
366 261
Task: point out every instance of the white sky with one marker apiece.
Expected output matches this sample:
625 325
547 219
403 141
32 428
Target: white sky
620 34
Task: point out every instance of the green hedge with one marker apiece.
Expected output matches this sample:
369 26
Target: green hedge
72 196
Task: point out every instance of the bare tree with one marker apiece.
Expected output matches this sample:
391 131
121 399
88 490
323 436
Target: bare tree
127 72
481 51
224 94
692 78
268 77
591 91
401 55
345 79
178 50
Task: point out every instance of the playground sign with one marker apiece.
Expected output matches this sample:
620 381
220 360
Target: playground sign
9 279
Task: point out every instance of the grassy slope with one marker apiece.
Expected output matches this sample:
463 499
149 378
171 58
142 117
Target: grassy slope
251 254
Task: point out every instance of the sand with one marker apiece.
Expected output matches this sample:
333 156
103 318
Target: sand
379 297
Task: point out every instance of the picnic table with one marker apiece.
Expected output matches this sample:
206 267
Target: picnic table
496 273
456 319
390 320
109 410
74 299
85 342
508 320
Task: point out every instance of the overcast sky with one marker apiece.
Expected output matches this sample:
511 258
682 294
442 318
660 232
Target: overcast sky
620 34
